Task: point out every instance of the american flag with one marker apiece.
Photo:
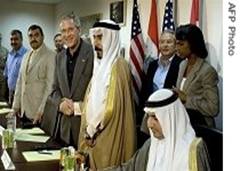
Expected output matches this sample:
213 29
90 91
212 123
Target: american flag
168 21
136 53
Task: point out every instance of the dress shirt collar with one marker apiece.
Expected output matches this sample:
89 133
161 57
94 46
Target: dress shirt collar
165 63
20 51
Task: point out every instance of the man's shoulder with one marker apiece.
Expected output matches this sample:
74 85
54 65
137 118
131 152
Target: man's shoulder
86 46
46 51
121 62
177 59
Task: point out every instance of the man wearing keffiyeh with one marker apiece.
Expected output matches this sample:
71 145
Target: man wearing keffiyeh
173 145
107 132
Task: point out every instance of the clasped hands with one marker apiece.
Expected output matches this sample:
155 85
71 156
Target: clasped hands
66 106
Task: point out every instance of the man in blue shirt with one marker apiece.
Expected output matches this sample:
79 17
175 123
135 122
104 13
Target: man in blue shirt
14 61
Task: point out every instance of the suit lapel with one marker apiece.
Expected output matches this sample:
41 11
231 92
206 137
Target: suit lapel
64 73
37 57
78 69
192 75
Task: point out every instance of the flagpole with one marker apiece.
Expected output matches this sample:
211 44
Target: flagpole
175 11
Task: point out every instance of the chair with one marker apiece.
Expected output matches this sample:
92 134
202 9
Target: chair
214 141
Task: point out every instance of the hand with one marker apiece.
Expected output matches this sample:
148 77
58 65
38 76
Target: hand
38 118
182 95
80 158
91 142
66 107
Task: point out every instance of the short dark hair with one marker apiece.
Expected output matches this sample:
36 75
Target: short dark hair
194 36
34 27
56 35
14 32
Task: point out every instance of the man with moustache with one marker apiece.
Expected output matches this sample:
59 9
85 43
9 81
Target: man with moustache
13 63
108 133
72 75
35 79
58 42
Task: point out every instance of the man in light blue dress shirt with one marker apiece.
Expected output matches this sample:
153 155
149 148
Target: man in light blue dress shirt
14 61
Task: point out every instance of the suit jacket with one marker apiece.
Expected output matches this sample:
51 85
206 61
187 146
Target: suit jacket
170 80
201 89
35 81
68 125
171 77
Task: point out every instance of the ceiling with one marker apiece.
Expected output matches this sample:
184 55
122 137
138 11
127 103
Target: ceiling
42 1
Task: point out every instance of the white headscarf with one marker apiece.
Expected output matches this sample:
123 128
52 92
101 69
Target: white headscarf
101 74
170 153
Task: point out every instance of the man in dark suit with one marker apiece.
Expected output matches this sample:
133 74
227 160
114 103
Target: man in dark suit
73 72
161 73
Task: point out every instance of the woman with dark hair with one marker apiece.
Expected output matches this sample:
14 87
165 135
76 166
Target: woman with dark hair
197 80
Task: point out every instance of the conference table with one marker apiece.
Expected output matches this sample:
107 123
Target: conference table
18 159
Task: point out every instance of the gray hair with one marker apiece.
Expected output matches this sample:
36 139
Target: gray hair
73 17
168 31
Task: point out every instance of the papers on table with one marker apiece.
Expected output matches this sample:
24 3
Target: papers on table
7 162
32 156
3 104
5 110
35 130
30 135
31 138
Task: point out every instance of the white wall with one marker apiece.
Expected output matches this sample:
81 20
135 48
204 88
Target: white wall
20 15
212 31
212 23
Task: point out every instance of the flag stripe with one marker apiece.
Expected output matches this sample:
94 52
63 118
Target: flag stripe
195 12
136 53
153 24
153 32
139 45
136 69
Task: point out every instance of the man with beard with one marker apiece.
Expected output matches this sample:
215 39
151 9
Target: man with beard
58 42
72 75
107 131
35 78
14 61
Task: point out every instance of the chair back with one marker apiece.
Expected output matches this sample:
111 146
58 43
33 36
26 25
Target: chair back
214 141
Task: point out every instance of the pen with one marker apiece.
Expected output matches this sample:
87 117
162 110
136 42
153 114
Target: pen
44 152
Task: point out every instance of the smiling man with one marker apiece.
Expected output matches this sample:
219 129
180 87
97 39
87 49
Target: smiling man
73 73
162 72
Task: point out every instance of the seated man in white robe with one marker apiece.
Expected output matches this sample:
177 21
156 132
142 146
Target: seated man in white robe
173 145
